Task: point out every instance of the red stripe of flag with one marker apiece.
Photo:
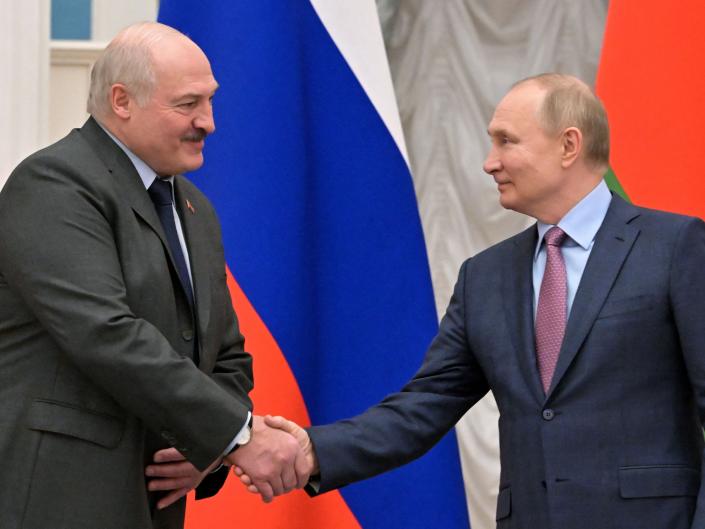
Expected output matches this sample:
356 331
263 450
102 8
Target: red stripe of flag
276 392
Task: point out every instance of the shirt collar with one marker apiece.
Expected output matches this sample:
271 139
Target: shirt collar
582 222
147 174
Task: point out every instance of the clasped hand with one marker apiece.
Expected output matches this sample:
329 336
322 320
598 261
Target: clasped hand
272 462
306 463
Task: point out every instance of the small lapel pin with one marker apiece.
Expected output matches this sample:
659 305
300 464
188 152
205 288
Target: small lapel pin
190 206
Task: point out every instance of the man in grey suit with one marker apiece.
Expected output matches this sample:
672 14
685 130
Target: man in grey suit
117 333
587 327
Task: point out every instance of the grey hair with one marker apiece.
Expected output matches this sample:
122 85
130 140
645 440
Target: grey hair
571 103
127 60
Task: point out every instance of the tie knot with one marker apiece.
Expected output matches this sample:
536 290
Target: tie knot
555 236
160 192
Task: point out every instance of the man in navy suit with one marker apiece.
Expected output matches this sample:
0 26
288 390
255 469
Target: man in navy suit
587 327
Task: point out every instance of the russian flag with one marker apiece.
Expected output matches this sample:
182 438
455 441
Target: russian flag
322 234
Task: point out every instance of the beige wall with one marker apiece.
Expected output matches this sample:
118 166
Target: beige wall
24 72
69 77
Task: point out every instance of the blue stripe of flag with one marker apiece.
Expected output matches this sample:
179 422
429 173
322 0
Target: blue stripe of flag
321 230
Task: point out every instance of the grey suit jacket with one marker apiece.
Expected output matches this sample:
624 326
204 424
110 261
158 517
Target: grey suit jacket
617 441
96 340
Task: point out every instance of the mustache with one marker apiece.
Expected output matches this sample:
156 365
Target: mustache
195 136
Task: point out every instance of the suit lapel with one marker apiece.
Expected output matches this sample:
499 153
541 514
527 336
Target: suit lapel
120 166
196 237
130 183
518 306
613 243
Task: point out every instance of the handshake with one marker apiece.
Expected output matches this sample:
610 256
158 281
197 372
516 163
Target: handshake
278 459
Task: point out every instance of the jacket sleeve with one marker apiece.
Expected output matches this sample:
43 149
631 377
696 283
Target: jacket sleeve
406 424
212 483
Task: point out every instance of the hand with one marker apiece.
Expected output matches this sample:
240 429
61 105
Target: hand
269 460
306 462
172 472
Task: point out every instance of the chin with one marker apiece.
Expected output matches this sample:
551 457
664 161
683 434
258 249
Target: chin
189 165
506 201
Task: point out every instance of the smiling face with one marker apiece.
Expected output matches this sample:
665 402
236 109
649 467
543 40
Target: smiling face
168 132
524 160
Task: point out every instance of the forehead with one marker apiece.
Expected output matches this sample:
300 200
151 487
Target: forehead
181 66
518 110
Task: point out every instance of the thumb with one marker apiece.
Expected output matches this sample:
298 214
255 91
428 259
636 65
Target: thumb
281 423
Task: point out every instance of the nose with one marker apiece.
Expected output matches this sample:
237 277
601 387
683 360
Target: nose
491 163
204 119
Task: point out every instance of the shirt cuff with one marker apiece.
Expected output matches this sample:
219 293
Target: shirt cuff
238 438
240 435
313 487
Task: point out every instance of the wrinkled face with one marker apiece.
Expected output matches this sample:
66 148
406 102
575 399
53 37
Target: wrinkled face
168 132
524 161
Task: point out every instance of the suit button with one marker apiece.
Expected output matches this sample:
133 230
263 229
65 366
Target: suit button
548 414
187 335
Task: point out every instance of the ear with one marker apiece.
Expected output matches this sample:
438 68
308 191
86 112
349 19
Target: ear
120 100
571 146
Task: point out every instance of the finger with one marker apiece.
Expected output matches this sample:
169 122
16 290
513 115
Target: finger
265 490
171 498
277 421
245 479
288 477
238 471
168 455
253 489
171 470
303 472
170 484
277 485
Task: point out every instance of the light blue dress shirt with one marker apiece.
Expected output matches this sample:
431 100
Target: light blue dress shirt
580 224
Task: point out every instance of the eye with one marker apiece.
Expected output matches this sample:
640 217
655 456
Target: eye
187 104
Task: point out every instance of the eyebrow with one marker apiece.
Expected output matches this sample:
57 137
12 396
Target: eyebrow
498 132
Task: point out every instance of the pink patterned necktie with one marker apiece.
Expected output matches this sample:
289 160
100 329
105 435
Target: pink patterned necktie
552 309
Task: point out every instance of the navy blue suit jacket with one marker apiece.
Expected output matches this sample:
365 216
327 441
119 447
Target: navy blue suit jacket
617 441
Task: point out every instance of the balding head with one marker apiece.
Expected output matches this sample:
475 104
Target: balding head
128 60
569 102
